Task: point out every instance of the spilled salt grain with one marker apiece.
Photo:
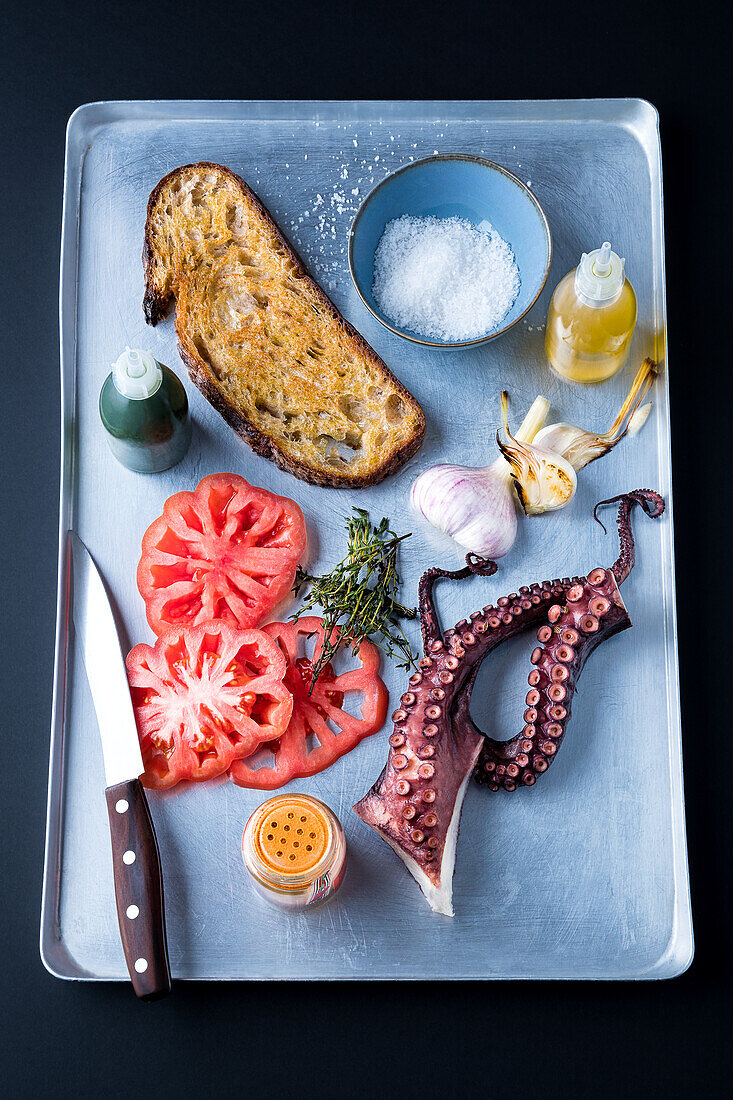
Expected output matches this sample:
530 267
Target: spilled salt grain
444 278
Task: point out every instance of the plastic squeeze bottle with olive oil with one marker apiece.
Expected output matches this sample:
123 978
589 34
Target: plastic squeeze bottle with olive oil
144 410
591 318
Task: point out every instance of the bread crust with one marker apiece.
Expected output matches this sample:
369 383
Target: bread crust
156 305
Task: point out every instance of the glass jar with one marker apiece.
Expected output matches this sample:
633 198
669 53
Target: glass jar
591 319
295 851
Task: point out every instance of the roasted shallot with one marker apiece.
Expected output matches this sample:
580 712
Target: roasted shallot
580 447
543 479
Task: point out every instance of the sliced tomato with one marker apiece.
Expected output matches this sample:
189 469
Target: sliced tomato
310 744
228 550
205 696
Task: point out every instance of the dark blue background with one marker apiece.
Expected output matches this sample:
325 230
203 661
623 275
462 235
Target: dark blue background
386 1040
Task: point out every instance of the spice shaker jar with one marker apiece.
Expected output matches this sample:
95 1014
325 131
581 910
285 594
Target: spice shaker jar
295 851
144 410
591 318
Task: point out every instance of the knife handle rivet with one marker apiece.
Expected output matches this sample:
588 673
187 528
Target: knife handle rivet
132 911
122 805
128 857
141 965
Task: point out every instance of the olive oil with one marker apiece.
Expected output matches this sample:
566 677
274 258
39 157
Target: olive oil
144 410
591 319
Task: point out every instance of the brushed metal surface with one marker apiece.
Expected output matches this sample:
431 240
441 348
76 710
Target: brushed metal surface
96 630
584 875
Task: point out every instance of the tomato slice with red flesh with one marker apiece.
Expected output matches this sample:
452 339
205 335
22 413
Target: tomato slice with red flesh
205 696
228 550
295 755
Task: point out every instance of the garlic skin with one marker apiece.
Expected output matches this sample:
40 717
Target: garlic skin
580 447
639 419
575 445
544 480
476 505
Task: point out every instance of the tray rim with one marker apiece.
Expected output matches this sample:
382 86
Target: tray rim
99 113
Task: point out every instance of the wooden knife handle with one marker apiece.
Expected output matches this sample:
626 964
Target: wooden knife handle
138 889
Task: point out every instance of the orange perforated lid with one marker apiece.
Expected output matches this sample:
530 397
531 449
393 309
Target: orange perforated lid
292 834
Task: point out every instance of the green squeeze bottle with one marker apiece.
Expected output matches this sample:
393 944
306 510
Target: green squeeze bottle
144 410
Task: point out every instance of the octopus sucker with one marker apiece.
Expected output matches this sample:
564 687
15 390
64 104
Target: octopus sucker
415 804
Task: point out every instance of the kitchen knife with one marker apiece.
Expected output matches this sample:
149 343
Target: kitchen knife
135 857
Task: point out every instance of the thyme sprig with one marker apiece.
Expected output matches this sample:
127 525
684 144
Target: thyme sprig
359 596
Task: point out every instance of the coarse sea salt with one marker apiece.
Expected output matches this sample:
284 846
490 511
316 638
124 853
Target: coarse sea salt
444 278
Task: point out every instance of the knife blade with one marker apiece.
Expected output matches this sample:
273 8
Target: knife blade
135 857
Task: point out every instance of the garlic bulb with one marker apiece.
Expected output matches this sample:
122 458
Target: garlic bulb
543 479
476 505
580 447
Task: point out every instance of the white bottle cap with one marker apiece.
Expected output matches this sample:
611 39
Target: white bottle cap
136 374
600 276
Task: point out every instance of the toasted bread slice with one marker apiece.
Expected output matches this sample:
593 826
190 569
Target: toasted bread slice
262 341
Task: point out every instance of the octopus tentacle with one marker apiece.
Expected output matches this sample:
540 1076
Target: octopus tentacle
416 802
592 611
429 622
652 504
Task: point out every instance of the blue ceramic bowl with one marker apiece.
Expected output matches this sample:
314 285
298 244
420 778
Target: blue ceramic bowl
454 185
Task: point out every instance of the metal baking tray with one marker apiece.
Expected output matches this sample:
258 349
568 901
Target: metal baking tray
583 876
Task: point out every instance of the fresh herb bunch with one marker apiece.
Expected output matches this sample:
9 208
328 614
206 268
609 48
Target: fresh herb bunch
359 596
